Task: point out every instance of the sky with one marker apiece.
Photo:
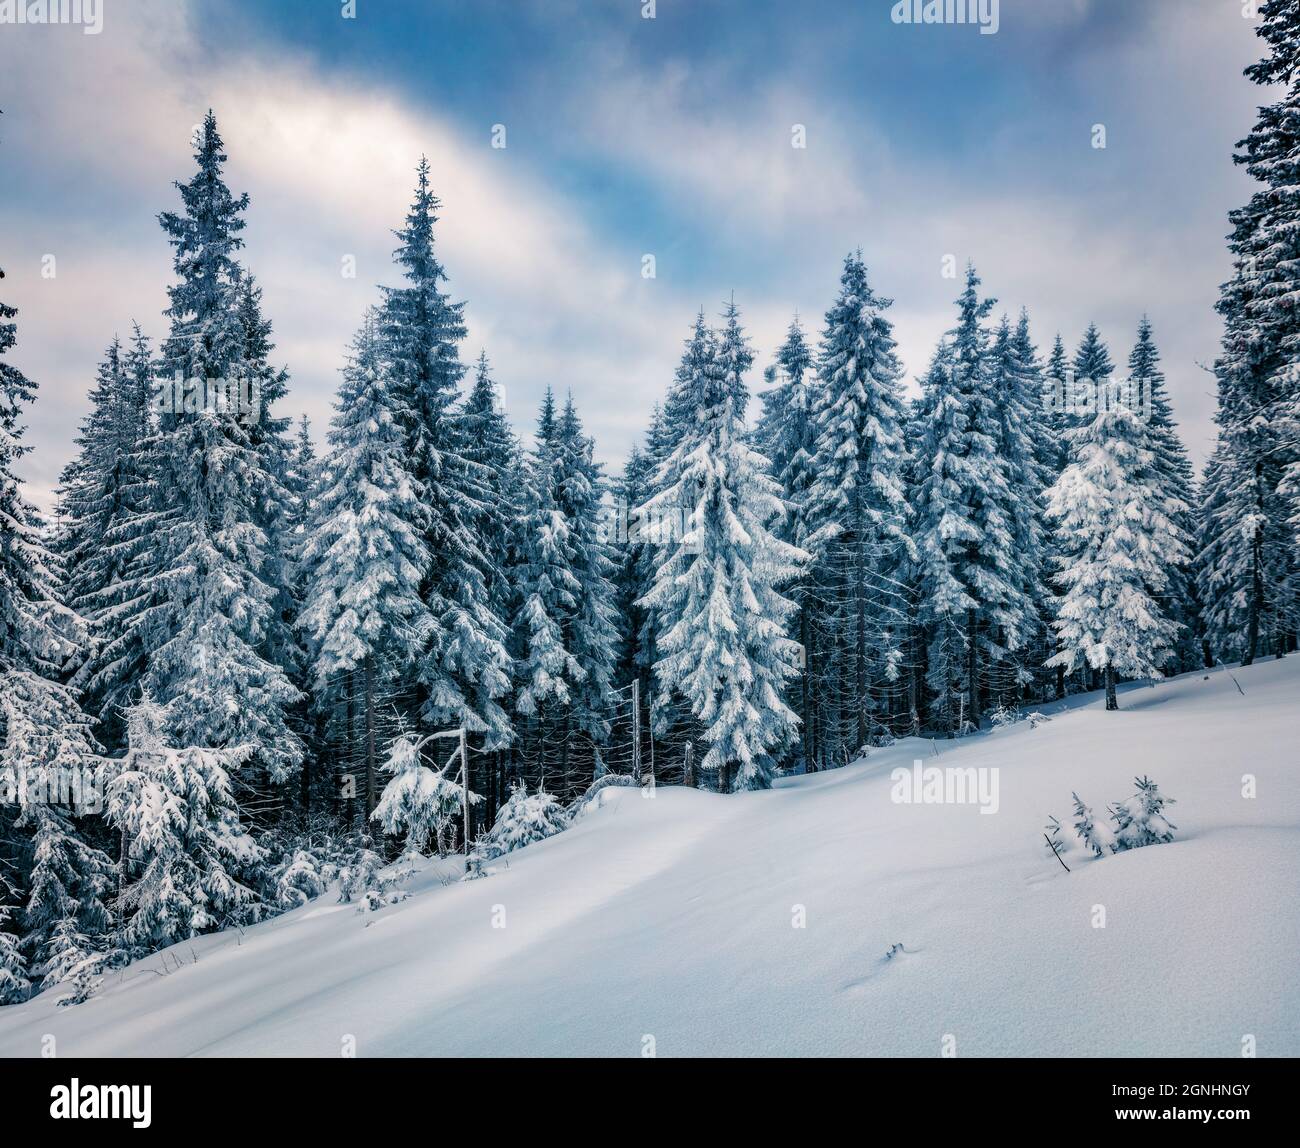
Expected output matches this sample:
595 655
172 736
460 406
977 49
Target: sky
626 136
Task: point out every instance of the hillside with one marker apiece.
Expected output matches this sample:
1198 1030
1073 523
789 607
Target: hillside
671 917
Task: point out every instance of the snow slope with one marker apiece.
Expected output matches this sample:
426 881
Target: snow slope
671 917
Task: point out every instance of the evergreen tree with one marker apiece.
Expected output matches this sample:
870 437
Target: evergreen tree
419 801
1026 444
786 436
365 554
975 606
1118 545
211 629
721 641
548 673
45 740
1141 819
1248 570
1175 479
99 498
1096 837
856 512
465 670
187 863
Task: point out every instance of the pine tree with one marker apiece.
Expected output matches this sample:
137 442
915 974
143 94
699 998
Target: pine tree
492 450
211 632
1118 545
786 435
1141 819
523 820
856 512
1096 837
721 639
99 498
111 493
187 863
1248 569
45 741
548 673
419 801
465 671
365 554
1026 444
591 627
975 608
1175 479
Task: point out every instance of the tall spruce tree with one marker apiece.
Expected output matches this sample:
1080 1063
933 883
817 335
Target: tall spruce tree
48 756
974 604
721 640
1248 569
856 511
465 671
1118 546
1175 479
365 555
211 630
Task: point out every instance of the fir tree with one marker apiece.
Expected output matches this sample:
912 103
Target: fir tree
1141 819
856 512
1118 545
365 555
1174 478
187 863
45 739
465 670
721 640
1248 576
211 630
1096 837
419 801
975 606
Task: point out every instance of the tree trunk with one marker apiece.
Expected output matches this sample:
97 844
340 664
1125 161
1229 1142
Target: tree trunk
973 667
371 798
1112 702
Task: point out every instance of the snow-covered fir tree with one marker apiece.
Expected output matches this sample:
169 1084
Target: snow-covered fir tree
1141 820
548 673
210 632
975 606
48 755
786 435
1095 836
1175 479
721 617
856 513
1118 545
524 819
365 556
102 493
418 801
1027 446
188 865
1248 569
492 450
464 673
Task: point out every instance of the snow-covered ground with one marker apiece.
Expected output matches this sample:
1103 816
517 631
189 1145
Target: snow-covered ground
672 918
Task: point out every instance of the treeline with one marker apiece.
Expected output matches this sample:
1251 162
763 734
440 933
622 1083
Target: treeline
221 662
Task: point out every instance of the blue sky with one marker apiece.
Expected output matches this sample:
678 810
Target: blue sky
628 136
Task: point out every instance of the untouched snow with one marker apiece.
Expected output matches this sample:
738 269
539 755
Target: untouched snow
671 918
